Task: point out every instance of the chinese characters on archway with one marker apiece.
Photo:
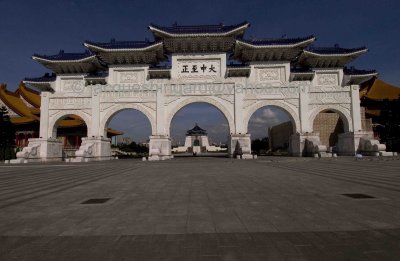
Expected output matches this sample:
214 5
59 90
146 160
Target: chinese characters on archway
198 68
203 68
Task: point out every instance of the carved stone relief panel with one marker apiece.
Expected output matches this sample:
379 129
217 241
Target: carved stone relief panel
276 74
328 79
70 103
131 77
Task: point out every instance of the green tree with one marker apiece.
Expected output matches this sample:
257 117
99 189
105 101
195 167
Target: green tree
134 147
260 145
7 135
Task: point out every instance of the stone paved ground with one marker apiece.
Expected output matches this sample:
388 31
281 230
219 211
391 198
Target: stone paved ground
202 209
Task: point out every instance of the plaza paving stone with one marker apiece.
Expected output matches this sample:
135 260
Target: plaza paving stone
272 208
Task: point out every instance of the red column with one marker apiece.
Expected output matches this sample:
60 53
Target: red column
76 141
65 141
16 140
25 139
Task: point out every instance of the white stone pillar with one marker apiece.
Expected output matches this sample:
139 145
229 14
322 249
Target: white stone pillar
44 115
160 115
94 129
160 142
305 124
355 108
240 146
238 109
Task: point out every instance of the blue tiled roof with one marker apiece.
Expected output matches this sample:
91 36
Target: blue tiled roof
334 50
196 130
113 44
198 29
65 56
277 41
160 67
301 70
98 74
237 65
354 71
45 78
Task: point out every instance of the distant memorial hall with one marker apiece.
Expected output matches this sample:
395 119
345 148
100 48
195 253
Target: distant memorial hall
212 64
197 142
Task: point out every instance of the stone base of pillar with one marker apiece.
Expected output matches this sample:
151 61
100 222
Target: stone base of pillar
93 149
40 150
159 148
239 146
307 145
348 143
361 142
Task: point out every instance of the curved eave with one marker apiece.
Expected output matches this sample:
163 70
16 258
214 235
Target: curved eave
85 65
50 61
266 46
71 123
350 54
328 60
359 78
96 48
15 103
362 75
29 95
112 132
22 120
155 30
43 86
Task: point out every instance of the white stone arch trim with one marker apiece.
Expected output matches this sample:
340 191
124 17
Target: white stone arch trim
180 103
54 119
110 112
293 114
343 113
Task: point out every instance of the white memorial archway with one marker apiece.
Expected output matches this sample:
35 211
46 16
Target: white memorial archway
213 64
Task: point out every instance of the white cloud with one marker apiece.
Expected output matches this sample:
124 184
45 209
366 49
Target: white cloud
269 113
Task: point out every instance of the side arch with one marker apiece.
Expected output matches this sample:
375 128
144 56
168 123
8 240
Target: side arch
343 113
293 115
56 118
200 99
105 120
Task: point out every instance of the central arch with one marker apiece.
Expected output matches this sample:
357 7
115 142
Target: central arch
201 99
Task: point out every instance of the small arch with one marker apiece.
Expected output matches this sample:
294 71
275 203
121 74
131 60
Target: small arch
54 122
294 117
200 99
105 120
343 113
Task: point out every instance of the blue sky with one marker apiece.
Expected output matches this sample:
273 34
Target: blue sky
45 27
